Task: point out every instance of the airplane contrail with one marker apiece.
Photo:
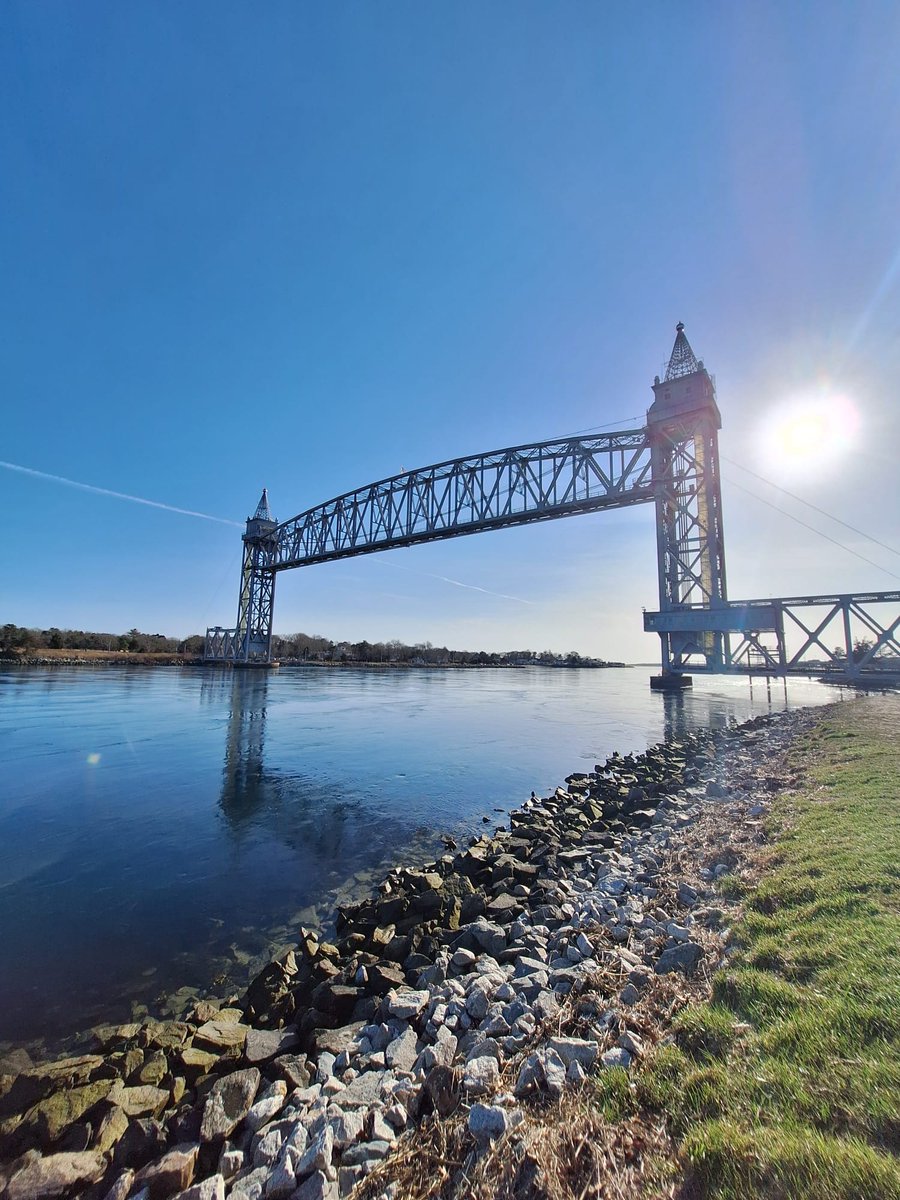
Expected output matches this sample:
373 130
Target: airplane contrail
89 487
474 588
457 583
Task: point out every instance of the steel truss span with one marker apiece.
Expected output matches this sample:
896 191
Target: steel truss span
516 486
850 636
673 461
854 635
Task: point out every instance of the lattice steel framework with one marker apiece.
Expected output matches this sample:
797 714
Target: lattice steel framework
849 636
250 644
673 462
854 635
682 427
515 486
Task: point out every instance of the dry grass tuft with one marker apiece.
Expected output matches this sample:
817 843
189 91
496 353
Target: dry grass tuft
563 1151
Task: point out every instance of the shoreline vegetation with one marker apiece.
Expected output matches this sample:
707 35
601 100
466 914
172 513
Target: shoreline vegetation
674 976
66 647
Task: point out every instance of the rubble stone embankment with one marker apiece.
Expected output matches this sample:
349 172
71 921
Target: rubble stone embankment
516 966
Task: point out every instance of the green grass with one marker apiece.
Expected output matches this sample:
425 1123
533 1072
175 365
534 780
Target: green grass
787 1084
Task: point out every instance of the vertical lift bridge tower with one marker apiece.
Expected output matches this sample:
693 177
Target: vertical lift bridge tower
683 433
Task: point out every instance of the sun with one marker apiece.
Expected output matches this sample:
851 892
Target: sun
808 435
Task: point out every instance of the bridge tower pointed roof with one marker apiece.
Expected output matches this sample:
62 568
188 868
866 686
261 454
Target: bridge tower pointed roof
263 513
682 360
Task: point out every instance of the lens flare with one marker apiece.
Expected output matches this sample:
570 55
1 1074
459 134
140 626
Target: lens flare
808 434
93 760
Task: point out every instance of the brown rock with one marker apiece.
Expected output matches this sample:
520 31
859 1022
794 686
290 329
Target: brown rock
76 1070
23 1090
383 976
230 1014
139 1101
336 999
111 1127
126 1062
122 1186
198 1062
53 1115
204 1010
165 1035
263 1044
106 1035
153 1070
172 1173
222 1035
8 1169
293 1068
334 1040
15 1062
442 1087
47 1178
74 1138
142 1141
382 936
8 1127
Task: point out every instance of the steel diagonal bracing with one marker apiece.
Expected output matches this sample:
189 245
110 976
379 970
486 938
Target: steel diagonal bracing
515 486
851 637
884 637
812 636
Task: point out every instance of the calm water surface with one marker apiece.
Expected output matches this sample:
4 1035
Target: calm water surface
166 829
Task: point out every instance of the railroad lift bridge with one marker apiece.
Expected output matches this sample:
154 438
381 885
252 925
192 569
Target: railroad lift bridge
671 462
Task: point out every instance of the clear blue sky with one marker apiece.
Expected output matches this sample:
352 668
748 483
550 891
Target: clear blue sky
307 245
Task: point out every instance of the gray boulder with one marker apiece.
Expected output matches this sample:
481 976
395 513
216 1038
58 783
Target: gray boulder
264 1044
481 1075
684 958
487 1122
490 936
401 1052
579 1050
228 1103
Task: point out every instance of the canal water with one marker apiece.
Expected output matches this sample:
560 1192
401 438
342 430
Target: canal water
164 830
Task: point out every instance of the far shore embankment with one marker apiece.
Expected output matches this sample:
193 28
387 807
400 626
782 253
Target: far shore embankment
76 658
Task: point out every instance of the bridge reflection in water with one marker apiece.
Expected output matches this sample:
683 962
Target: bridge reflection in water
333 837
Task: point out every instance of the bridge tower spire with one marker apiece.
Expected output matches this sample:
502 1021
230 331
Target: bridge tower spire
262 509
682 429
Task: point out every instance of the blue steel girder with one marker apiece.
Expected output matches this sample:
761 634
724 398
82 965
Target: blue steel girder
847 635
516 486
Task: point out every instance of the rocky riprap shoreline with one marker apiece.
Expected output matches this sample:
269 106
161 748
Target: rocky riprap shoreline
511 969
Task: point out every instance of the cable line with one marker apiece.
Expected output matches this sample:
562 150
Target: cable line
813 529
620 423
809 504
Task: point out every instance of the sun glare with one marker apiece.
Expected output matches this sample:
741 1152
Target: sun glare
809 434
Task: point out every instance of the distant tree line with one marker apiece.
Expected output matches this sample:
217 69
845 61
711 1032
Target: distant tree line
16 638
296 647
303 647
